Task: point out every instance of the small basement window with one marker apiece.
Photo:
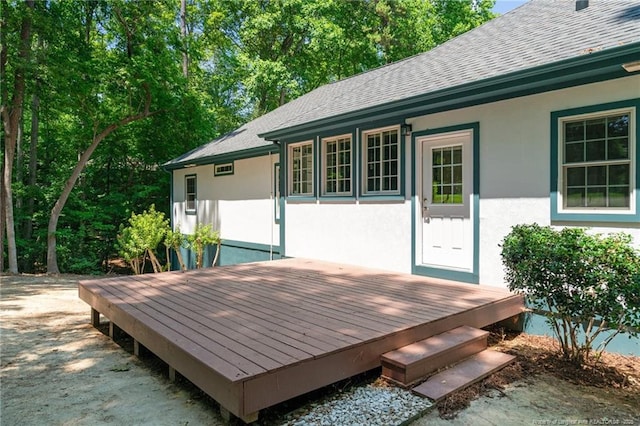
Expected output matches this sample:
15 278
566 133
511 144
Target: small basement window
223 169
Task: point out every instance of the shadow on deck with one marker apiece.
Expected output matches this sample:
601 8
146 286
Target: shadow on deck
254 335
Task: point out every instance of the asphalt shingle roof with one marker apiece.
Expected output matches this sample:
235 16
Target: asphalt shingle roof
537 33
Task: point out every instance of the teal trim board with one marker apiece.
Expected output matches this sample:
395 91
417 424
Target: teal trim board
283 192
587 216
451 274
225 158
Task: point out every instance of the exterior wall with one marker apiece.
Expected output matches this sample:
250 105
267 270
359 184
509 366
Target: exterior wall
240 205
515 162
376 235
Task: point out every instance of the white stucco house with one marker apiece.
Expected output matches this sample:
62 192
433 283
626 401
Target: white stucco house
424 165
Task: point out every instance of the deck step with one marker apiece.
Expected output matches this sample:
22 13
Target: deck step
414 362
463 374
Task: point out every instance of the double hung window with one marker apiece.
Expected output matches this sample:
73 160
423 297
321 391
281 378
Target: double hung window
596 161
191 194
301 169
337 176
381 161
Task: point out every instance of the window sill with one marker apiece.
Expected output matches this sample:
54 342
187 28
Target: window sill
382 198
595 217
300 199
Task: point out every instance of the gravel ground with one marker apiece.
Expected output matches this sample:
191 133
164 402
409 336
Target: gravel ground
369 405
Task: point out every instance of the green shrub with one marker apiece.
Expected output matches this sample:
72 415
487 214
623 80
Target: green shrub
203 236
584 284
141 239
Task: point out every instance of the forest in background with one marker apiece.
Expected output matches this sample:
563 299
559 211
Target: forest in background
98 94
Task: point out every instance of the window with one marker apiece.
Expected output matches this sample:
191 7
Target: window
447 175
594 160
301 169
223 169
191 196
381 157
596 165
337 166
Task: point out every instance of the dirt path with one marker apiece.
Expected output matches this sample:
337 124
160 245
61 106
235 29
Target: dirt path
58 370
55 369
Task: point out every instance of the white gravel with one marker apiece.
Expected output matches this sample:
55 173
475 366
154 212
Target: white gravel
372 404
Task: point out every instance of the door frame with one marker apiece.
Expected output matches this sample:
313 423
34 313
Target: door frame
416 209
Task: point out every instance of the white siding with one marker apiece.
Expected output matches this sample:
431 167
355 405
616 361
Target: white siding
515 160
241 205
374 235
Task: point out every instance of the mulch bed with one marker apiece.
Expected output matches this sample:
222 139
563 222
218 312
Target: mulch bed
541 355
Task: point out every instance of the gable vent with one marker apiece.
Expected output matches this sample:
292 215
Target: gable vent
581 4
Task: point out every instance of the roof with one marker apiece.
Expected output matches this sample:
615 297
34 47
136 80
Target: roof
537 34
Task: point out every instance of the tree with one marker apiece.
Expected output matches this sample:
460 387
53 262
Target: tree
121 68
11 110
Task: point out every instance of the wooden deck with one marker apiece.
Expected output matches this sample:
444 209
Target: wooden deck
254 335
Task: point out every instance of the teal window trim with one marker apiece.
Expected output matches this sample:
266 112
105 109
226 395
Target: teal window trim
362 169
187 178
472 277
593 215
314 181
226 169
277 193
322 162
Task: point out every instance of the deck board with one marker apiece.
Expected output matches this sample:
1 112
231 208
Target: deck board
257 334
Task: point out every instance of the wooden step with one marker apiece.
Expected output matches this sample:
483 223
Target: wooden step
463 374
414 362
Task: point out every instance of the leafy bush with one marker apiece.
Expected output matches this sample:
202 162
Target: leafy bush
175 240
203 236
141 238
584 284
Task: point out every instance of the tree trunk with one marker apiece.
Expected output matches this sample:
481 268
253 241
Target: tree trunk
19 161
11 116
2 227
183 34
52 256
33 164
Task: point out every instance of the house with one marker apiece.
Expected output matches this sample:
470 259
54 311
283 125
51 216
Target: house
423 166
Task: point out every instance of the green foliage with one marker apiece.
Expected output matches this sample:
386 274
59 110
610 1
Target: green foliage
141 238
175 240
583 283
203 236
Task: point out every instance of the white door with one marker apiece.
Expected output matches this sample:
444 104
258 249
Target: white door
446 231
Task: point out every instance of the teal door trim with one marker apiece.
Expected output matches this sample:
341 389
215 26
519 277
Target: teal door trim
469 277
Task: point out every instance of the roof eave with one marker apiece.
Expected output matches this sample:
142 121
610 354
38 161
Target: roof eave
224 158
587 68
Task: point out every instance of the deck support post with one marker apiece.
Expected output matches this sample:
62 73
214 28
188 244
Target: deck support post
138 349
114 330
95 318
172 374
225 414
250 418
